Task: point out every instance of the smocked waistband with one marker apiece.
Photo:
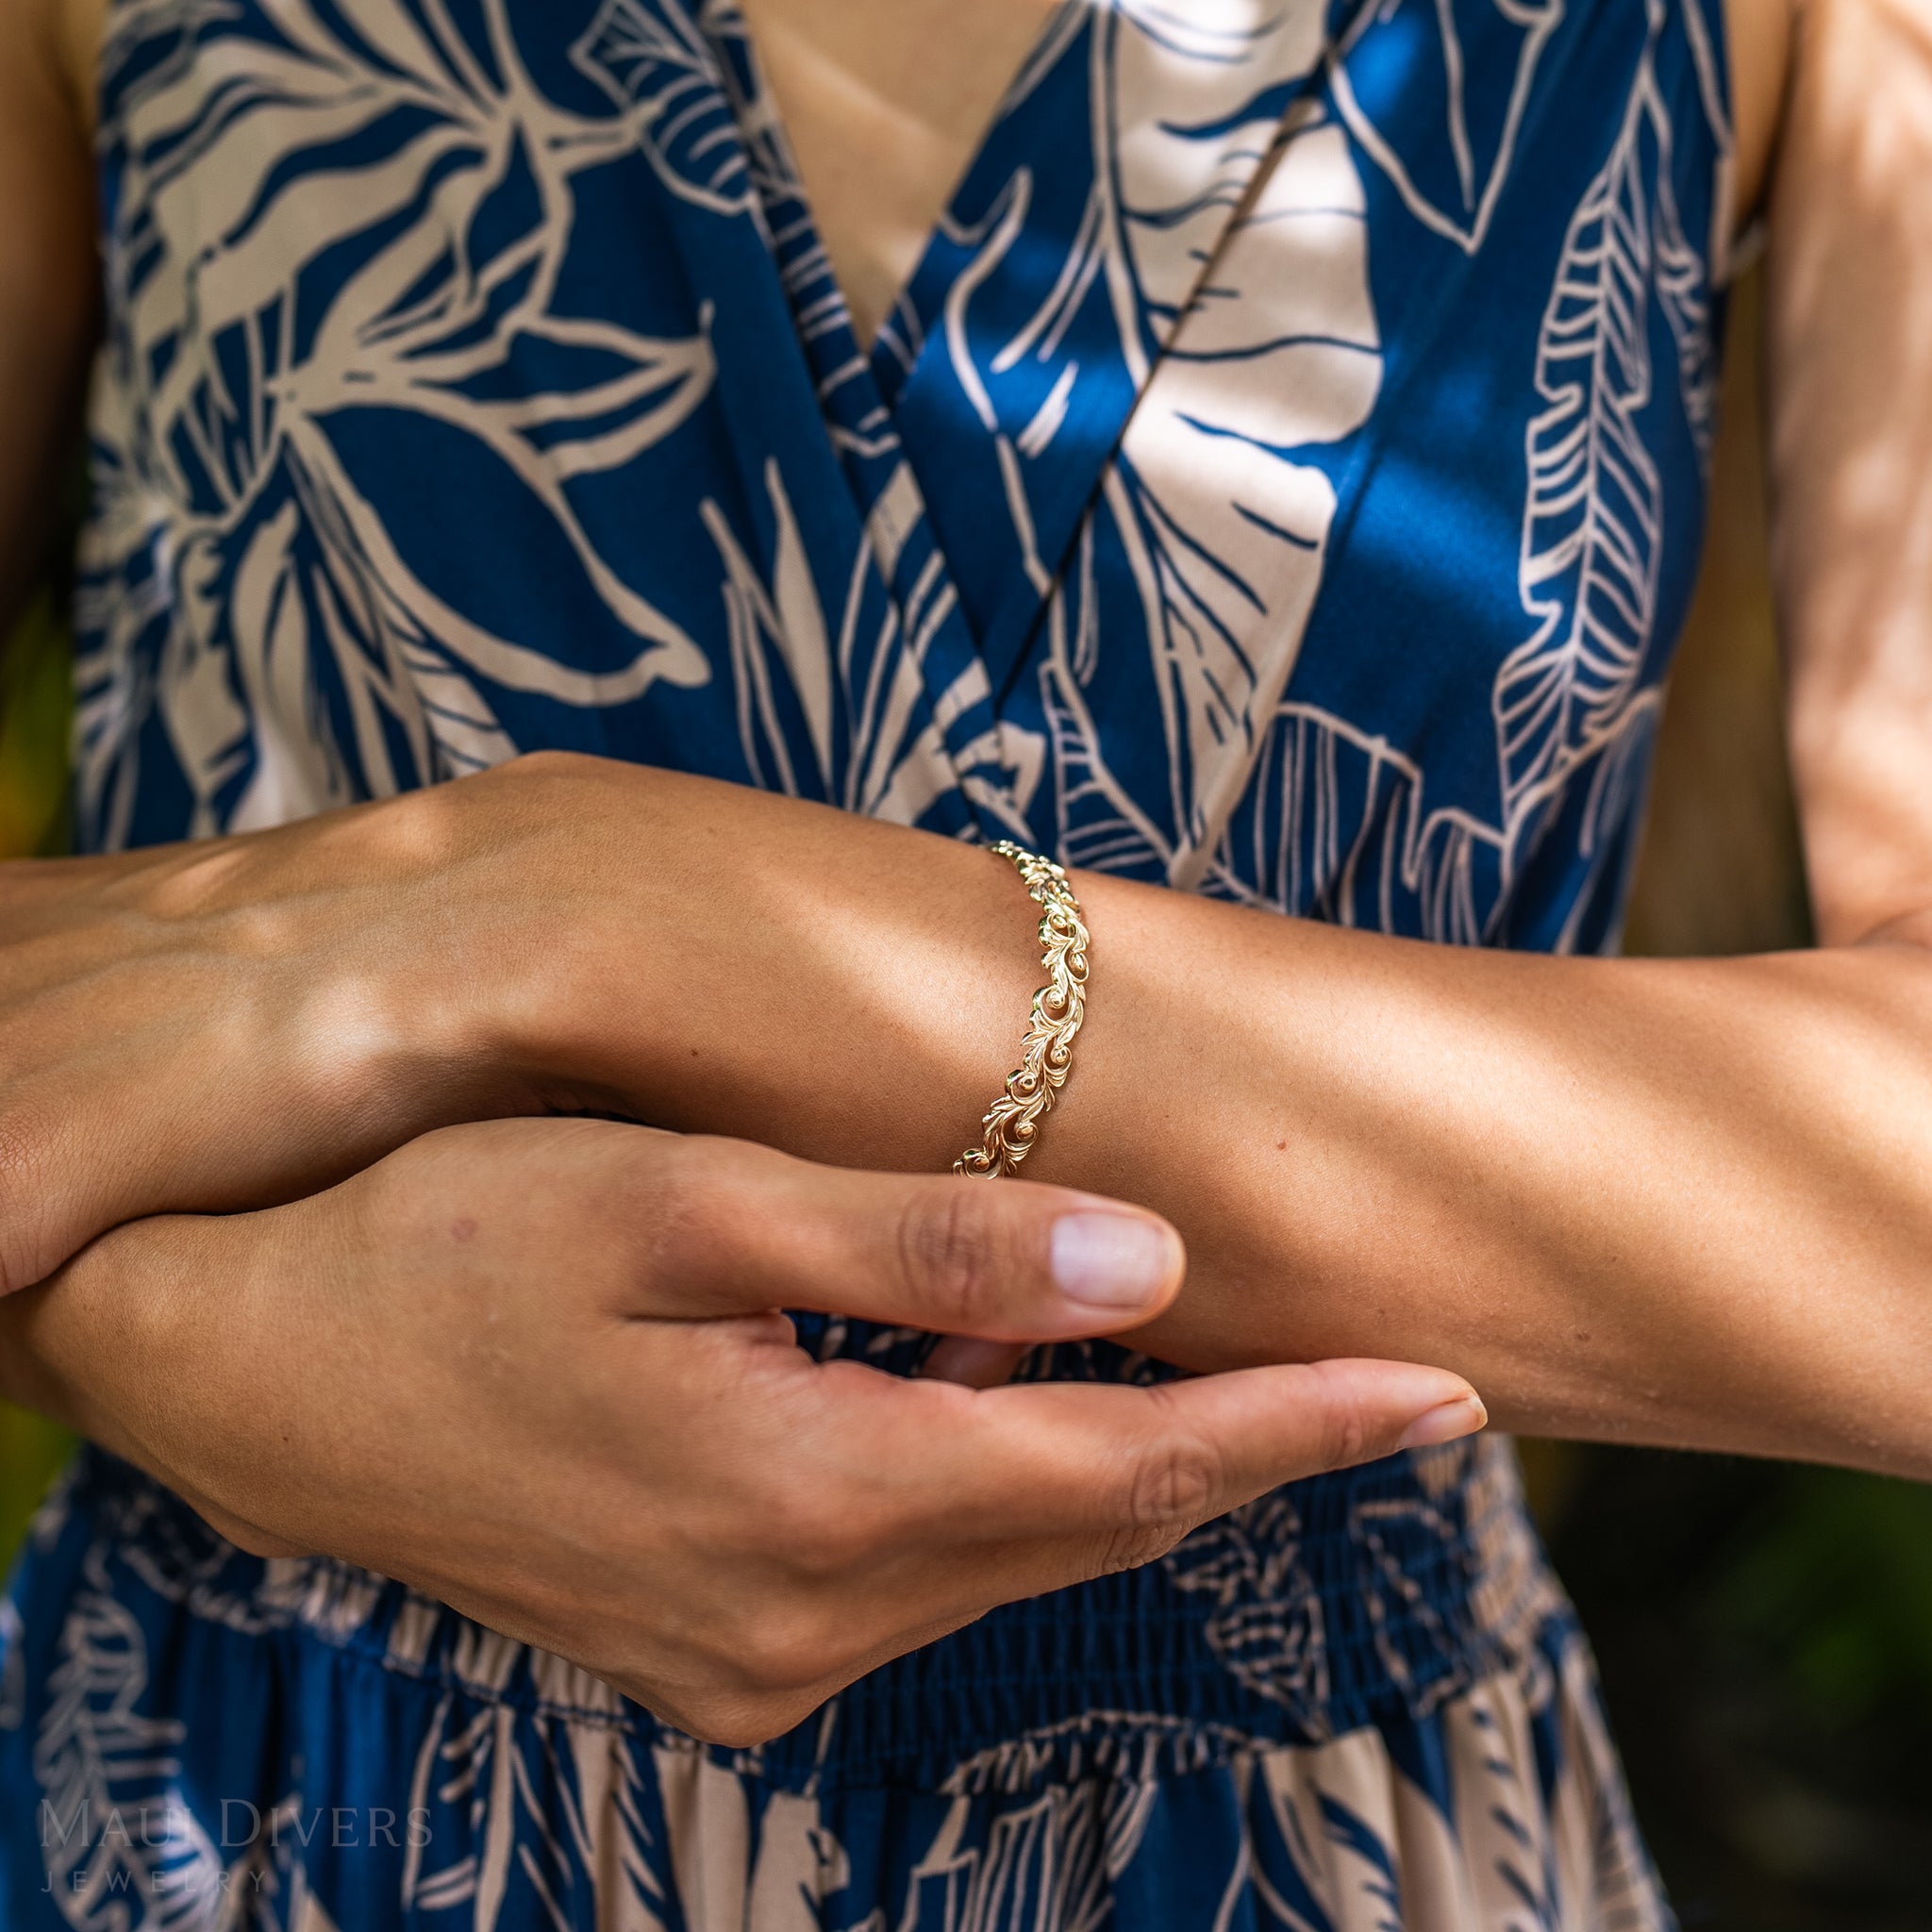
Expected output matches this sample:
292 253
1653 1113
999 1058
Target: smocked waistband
1366 1597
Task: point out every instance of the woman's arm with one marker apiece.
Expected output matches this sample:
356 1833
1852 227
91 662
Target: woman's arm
1672 1200
1848 335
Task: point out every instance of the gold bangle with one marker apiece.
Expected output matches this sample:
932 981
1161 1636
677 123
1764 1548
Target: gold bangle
1058 1006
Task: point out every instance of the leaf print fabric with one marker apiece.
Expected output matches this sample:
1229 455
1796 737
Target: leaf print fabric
402 1767
1281 477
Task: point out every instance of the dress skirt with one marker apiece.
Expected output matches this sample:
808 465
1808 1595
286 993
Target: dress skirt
191 1738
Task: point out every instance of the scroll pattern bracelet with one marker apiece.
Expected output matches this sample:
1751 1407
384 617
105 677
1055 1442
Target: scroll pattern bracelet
1058 1006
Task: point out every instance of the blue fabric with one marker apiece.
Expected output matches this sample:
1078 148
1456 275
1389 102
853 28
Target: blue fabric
1282 478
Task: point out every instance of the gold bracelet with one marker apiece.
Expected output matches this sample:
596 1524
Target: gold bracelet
1058 1006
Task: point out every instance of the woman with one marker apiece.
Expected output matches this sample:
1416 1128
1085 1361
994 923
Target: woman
1276 474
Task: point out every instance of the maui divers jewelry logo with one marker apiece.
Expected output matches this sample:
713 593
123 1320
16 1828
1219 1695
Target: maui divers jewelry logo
139 1848
166 1826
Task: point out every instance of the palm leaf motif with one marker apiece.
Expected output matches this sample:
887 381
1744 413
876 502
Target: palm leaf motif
1195 100
1596 1847
267 1889
1683 293
1481 1859
1529 1841
120 1845
650 55
1102 827
1449 172
1325 1840
1048 1860
482 1830
312 233
1401 1545
1333 826
836 707
561 1819
1264 1621
1225 531
1530 1828
781 653
1593 516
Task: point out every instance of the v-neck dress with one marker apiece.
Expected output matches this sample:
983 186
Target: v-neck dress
1282 478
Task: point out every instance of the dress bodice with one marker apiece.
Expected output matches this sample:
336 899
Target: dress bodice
1282 476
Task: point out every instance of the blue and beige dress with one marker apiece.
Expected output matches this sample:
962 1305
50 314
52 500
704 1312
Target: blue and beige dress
1282 478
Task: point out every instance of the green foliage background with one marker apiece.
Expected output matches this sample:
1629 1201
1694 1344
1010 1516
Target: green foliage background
34 710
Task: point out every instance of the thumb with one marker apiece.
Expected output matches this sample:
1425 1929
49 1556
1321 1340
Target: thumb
1004 1260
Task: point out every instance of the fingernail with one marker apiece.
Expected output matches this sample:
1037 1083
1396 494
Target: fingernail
1444 1423
1113 1261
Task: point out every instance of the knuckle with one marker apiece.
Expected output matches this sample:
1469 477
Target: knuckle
555 764
782 1649
821 1541
1345 1434
1179 1482
684 1206
947 1252
402 1197
797 1524
1131 1546
532 771
1176 1482
264 931
736 1721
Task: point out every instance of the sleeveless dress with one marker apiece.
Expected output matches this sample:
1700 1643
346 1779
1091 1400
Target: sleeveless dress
1282 478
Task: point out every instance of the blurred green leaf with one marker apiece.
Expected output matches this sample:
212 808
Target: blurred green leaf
36 711
36 707
1832 1583
31 1455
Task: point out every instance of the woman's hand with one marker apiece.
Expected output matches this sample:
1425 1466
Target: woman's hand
236 1022
534 1369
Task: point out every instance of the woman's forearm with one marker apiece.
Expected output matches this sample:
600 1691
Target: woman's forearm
1669 1201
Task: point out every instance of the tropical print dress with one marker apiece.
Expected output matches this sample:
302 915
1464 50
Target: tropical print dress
1282 478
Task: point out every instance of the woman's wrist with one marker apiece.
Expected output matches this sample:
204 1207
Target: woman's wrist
67 1341
740 963
149 1343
